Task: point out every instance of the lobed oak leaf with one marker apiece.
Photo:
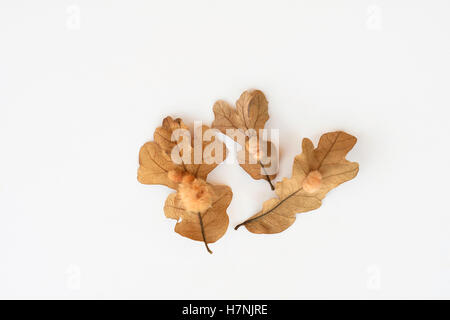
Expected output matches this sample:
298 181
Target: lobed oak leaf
315 172
200 205
208 226
249 116
155 157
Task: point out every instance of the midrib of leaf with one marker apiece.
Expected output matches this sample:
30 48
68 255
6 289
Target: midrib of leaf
270 211
328 151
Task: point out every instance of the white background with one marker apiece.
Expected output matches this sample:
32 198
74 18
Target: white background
83 84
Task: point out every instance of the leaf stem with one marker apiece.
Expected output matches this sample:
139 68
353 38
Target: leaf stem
203 232
240 225
270 182
267 176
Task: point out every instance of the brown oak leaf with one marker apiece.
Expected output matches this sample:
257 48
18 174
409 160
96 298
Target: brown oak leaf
249 116
315 172
199 206
155 156
208 226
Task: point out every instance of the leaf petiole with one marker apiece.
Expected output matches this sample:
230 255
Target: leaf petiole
267 176
203 232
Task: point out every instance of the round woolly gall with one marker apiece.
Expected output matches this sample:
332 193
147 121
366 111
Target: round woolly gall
252 147
312 182
196 195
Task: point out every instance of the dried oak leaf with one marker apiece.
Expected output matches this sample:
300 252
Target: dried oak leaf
208 226
315 172
249 116
199 206
155 156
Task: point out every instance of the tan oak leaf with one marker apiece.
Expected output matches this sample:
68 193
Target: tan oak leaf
315 172
155 157
179 161
249 116
208 226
